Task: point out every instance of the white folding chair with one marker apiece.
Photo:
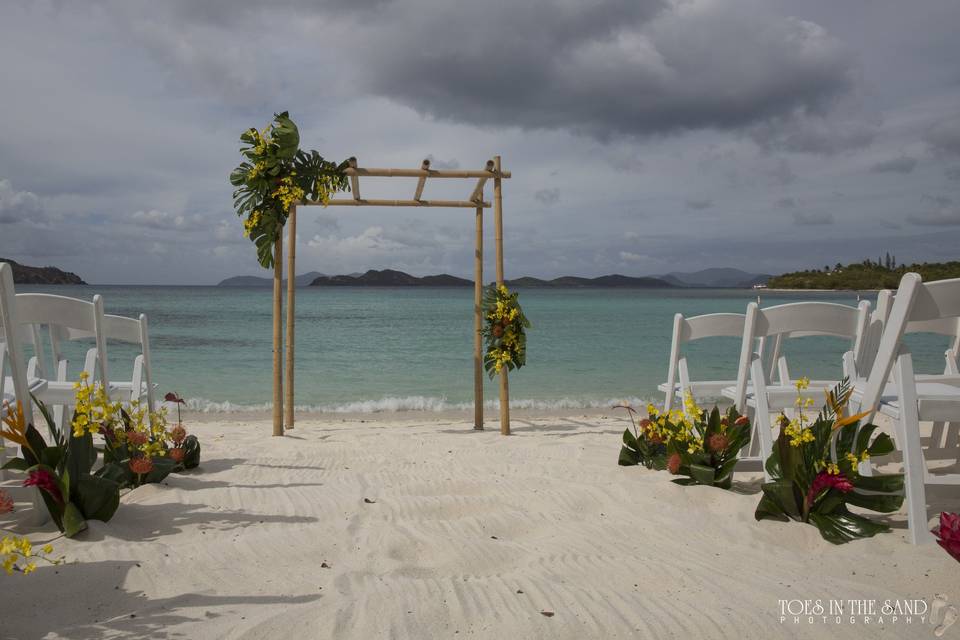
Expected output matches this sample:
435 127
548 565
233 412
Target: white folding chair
687 330
122 329
59 314
908 400
753 391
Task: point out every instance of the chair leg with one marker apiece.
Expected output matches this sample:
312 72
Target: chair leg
914 468
952 442
762 427
936 436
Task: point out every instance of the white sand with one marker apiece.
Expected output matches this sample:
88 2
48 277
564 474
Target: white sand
469 535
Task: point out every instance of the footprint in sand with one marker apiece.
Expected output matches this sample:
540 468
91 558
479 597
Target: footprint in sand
942 614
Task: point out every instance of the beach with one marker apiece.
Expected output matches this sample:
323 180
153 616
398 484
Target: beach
424 528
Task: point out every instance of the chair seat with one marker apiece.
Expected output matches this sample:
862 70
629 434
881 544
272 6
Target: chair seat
34 386
700 387
781 396
937 401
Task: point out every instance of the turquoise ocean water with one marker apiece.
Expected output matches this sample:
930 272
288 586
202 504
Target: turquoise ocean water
364 350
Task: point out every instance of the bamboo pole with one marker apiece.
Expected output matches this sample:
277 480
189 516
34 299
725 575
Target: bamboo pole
278 334
498 238
291 312
478 325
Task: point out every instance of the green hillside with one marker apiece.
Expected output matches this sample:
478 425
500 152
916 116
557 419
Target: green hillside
883 274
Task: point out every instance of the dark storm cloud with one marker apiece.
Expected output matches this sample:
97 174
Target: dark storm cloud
944 136
699 204
547 197
805 218
123 125
901 164
605 68
942 211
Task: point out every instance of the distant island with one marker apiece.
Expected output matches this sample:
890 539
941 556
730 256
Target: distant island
392 278
717 278
303 280
23 274
882 274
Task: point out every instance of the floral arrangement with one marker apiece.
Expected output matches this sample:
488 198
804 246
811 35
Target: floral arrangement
644 445
17 554
814 470
505 330
704 447
275 176
948 534
62 471
186 448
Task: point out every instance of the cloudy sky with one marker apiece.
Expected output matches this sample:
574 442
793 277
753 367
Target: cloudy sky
644 136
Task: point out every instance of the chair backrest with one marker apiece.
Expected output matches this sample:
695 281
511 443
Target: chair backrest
80 316
797 319
918 305
710 325
949 327
11 351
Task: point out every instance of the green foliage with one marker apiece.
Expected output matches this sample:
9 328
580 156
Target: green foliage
814 474
864 275
192 458
276 175
639 448
711 454
505 330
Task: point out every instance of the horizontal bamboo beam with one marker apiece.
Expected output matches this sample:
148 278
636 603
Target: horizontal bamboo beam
354 180
400 203
418 194
422 173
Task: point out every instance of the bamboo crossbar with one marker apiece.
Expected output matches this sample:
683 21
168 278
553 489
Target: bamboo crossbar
422 173
418 194
354 180
463 204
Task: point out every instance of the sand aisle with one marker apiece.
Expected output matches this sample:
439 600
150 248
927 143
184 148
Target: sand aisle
465 534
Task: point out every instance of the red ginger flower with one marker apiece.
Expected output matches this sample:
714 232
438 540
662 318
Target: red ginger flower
6 501
141 466
673 464
824 480
45 481
948 534
177 454
719 442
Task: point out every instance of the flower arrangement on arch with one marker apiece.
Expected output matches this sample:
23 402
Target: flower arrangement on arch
275 175
505 330
814 471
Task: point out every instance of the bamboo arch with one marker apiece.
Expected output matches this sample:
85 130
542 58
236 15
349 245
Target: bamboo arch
283 406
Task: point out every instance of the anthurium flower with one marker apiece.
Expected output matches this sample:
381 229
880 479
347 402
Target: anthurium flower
948 534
